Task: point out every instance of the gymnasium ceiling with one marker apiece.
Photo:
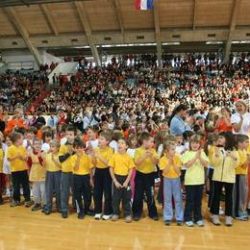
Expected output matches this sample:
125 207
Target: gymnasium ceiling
55 24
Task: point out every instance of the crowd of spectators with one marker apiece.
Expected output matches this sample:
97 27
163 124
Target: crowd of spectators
134 90
19 88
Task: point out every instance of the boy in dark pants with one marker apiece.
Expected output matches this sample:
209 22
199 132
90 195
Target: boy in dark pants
121 166
17 157
65 153
53 177
82 178
146 159
102 178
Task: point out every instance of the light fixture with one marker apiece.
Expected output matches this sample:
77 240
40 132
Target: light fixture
214 42
171 43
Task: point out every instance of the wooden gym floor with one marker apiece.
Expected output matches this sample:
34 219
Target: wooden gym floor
21 229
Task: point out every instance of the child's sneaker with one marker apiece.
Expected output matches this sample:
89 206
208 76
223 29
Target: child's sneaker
28 203
115 217
15 203
242 218
200 223
128 219
228 221
155 218
167 222
80 216
47 212
36 207
106 217
64 215
216 220
179 223
136 218
98 216
189 223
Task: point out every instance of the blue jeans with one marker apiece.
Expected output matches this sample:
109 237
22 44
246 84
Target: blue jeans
52 185
66 184
172 188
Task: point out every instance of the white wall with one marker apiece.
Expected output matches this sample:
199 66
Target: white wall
17 60
48 58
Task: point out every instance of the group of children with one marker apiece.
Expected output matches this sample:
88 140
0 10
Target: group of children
112 171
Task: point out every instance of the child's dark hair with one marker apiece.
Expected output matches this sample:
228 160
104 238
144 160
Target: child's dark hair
47 134
144 136
79 143
20 130
71 128
15 136
230 140
187 135
241 138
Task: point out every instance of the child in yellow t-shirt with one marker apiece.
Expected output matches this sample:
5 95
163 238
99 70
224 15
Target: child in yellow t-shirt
195 161
146 159
53 176
170 164
82 178
121 168
102 180
37 175
17 156
65 153
241 188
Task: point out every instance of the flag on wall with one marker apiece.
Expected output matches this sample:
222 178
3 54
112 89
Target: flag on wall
144 4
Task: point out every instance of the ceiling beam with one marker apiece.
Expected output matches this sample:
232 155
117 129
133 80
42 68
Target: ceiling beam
235 8
30 2
194 14
17 23
157 33
117 7
49 18
80 39
87 28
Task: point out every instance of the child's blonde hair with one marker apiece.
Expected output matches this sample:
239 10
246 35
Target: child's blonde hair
195 138
55 143
167 145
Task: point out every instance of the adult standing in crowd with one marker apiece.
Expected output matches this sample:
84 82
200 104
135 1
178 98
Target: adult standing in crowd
241 119
177 121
